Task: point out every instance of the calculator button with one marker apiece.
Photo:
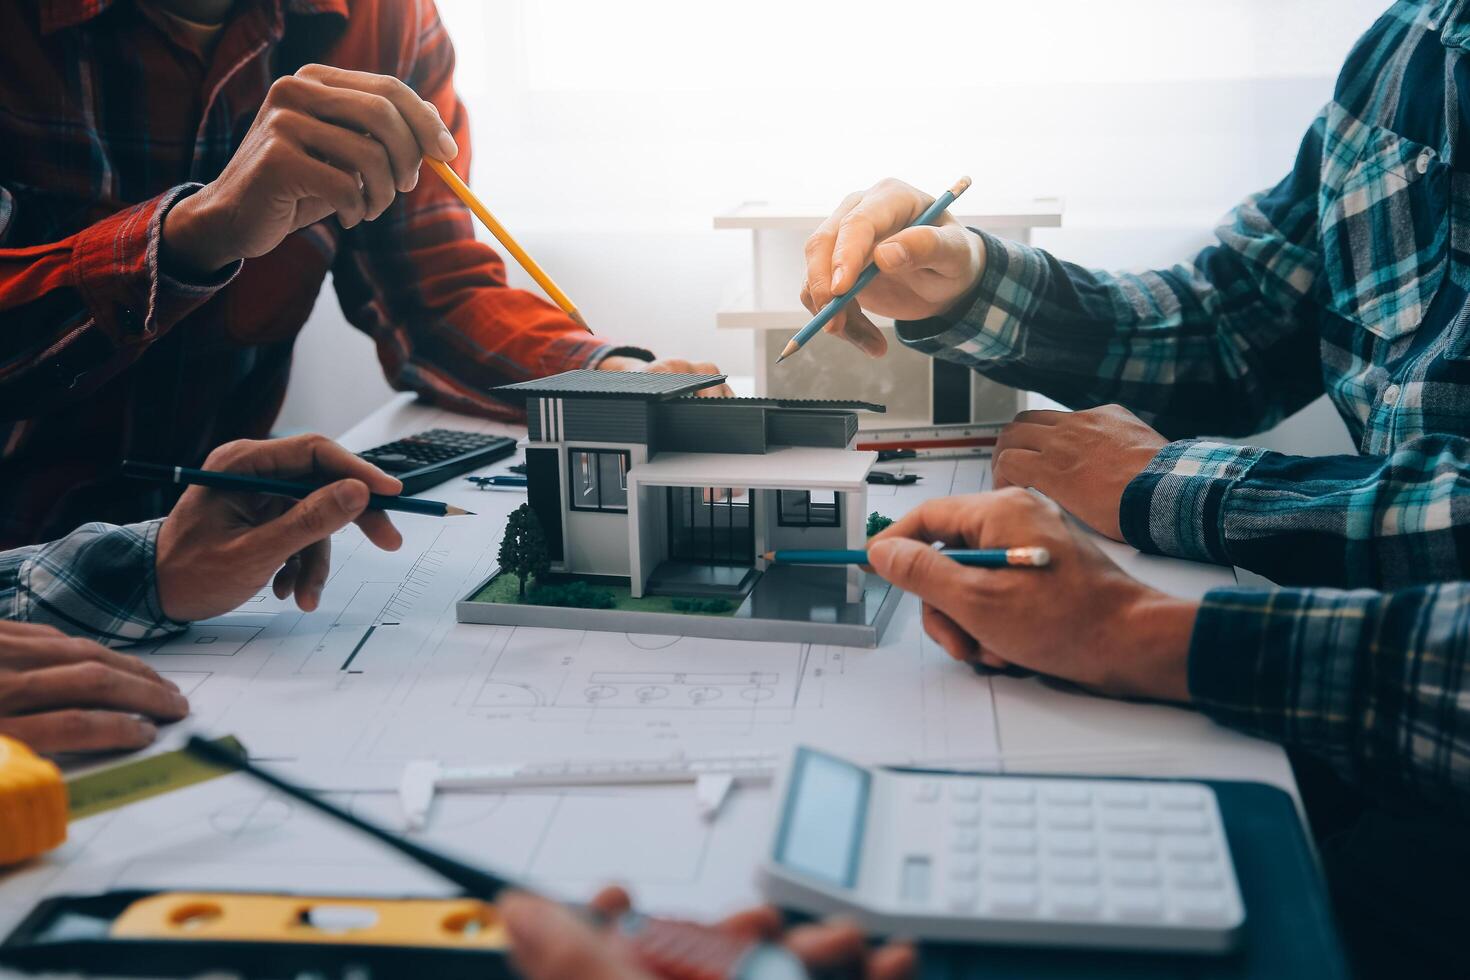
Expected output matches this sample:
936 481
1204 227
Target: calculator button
1011 816
964 870
1129 846
1011 899
926 791
1122 797
1011 791
1075 818
1181 798
1067 794
1077 901
1072 872
1011 842
965 816
1133 873
1195 876
1175 822
964 842
1189 849
962 897
1132 820
1137 903
1067 843
1206 908
964 790
1007 868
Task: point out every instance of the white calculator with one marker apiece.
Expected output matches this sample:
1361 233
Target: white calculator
1014 860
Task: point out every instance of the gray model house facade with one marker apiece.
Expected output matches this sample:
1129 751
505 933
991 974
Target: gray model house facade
633 477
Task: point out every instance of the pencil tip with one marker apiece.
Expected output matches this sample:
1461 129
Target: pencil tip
452 511
791 348
576 316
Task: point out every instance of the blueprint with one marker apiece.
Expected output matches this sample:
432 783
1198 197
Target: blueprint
382 674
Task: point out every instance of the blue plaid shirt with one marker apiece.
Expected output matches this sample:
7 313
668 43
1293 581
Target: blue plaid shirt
98 582
1349 277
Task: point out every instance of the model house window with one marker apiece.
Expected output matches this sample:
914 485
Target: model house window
809 508
599 479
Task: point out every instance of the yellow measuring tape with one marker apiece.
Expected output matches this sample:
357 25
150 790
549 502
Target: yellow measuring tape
36 802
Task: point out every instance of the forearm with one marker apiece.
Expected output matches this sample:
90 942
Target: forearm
435 299
1340 521
76 312
1191 349
1372 682
98 582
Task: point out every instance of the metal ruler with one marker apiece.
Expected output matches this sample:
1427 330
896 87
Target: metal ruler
133 781
933 441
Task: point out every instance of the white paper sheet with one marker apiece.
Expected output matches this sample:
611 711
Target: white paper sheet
382 673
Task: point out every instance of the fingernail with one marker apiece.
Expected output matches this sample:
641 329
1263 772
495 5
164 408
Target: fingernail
147 731
894 254
351 495
170 683
180 704
837 275
447 147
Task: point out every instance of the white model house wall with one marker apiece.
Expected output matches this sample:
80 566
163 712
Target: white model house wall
596 541
593 542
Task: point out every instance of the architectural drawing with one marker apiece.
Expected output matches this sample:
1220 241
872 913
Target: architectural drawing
421 685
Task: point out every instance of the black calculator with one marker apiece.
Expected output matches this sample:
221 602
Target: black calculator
429 458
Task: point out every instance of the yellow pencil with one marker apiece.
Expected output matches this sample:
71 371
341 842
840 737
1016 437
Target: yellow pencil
463 192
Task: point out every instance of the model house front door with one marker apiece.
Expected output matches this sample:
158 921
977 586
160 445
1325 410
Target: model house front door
711 525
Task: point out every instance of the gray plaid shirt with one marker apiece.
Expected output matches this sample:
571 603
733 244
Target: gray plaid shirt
99 582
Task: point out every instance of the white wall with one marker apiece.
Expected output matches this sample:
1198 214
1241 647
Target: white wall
607 134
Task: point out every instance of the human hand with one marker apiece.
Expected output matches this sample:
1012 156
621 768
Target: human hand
1080 618
669 365
1082 460
61 693
326 141
217 549
924 270
548 942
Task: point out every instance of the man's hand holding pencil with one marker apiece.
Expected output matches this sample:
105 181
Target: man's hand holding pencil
923 269
1080 617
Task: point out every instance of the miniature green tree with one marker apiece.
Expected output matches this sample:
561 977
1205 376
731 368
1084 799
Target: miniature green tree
523 549
877 522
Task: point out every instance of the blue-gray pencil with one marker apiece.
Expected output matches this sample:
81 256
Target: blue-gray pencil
979 557
825 314
215 480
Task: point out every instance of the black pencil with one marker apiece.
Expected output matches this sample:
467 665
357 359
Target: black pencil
215 480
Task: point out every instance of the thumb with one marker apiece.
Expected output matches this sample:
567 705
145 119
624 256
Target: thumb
914 567
320 515
944 250
550 943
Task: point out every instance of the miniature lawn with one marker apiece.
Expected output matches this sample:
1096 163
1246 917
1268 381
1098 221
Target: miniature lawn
504 588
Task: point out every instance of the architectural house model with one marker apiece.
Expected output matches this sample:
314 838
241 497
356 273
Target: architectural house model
666 501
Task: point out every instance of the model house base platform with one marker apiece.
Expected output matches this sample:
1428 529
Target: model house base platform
787 604
650 510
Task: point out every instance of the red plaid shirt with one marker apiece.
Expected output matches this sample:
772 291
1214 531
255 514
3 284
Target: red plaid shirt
105 122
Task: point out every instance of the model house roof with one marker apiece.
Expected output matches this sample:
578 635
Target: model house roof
641 385
784 468
829 404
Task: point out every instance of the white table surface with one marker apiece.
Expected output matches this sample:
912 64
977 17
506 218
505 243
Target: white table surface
1043 726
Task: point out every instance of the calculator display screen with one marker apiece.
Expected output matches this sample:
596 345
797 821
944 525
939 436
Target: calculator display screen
822 827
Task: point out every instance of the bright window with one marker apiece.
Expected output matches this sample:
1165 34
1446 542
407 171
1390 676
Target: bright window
599 479
809 508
